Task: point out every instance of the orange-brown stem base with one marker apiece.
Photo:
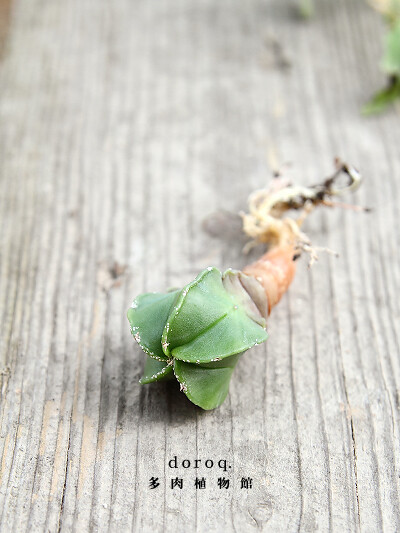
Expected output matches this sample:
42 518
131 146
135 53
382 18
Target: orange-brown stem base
275 271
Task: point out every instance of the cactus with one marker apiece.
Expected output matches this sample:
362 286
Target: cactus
198 333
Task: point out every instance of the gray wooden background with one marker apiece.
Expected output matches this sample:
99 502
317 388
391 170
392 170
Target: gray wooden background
125 126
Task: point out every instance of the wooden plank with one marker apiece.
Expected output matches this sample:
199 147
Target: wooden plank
125 126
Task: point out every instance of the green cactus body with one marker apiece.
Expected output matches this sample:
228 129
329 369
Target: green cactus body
197 334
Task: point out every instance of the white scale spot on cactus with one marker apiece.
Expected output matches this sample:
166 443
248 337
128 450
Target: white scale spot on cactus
209 268
216 359
183 387
152 354
165 345
134 304
235 306
137 337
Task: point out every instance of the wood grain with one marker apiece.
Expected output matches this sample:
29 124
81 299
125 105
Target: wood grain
124 126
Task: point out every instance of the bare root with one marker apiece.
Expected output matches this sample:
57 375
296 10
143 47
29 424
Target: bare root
266 221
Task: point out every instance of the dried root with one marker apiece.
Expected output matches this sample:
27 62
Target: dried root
266 221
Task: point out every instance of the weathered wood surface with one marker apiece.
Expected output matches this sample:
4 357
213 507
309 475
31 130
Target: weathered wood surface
124 124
